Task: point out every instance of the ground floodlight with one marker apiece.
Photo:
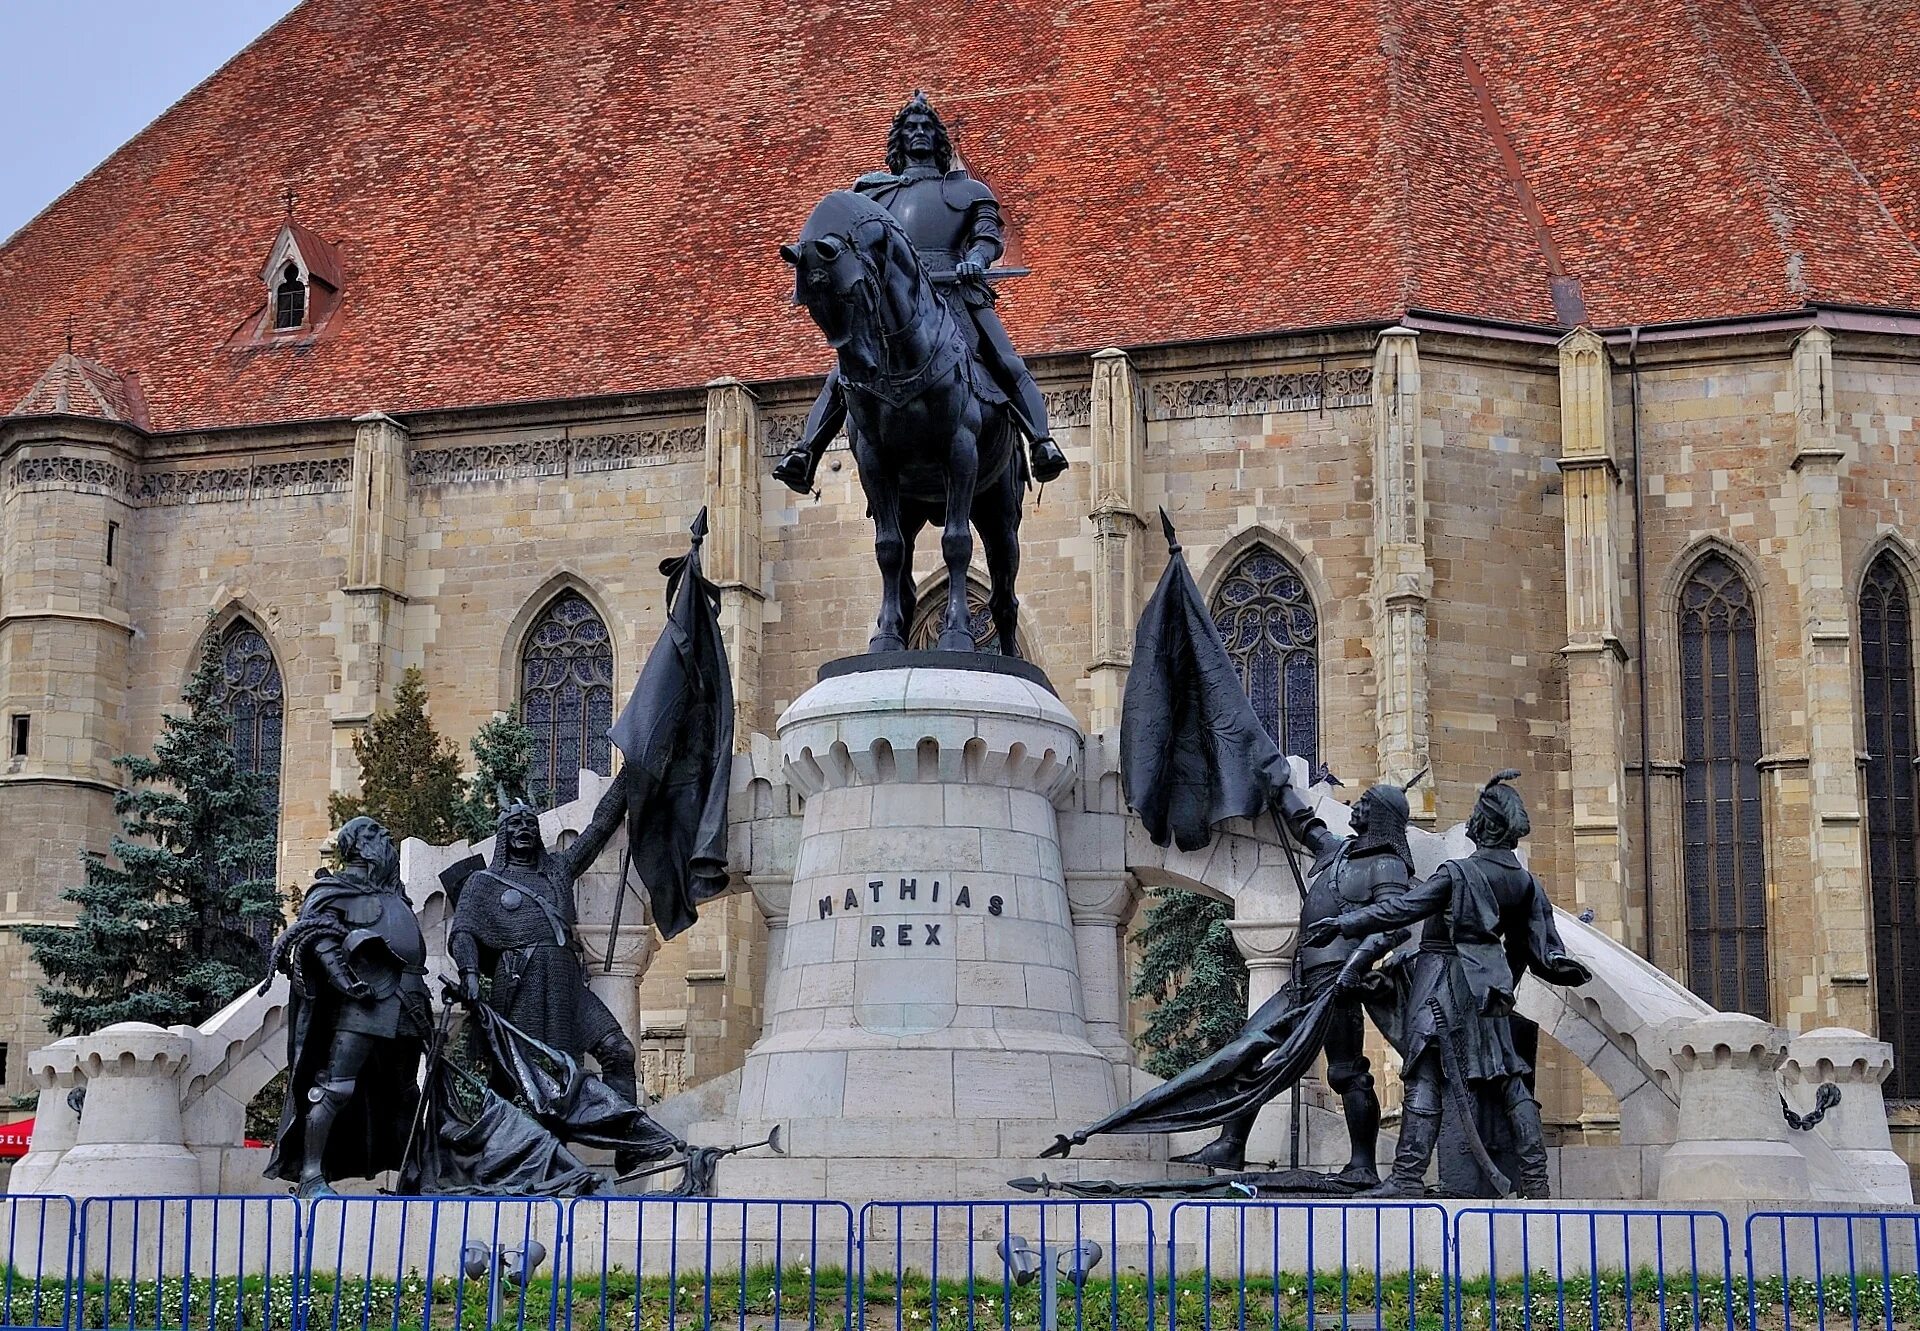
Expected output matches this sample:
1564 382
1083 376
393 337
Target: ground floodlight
520 1265
1077 1262
1023 1263
476 1259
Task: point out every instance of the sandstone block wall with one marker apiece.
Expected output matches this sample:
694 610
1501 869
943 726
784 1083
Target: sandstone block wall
484 515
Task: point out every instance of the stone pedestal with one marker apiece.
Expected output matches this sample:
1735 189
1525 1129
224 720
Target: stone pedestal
926 1030
1732 1139
55 1071
1856 1128
131 1141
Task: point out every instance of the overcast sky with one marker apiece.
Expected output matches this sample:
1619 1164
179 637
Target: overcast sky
84 76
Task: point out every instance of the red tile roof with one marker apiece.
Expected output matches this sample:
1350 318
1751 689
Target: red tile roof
585 196
76 386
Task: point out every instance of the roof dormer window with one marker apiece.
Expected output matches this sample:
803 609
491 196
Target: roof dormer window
300 288
289 301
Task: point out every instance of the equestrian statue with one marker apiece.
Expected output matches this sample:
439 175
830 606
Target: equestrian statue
897 272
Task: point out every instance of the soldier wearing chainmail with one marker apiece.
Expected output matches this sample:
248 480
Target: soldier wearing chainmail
1322 1011
1487 922
516 923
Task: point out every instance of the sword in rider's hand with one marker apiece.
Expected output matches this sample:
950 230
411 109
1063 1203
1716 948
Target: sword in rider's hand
991 275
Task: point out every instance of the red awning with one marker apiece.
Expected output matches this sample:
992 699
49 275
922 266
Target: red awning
15 1138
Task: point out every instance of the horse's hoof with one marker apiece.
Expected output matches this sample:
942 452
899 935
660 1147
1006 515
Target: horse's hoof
955 640
886 642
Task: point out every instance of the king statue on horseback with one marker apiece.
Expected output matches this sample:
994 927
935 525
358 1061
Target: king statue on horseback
895 272
954 222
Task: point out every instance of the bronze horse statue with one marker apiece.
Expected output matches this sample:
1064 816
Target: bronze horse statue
931 432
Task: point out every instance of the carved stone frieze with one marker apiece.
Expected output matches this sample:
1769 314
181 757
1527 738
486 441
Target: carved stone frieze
85 475
1235 394
429 467
468 463
640 448
781 431
303 476
165 486
160 488
1068 407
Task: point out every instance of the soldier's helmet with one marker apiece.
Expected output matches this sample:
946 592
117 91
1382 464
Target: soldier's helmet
1499 819
516 813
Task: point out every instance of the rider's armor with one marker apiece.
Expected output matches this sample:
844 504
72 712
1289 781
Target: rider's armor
947 217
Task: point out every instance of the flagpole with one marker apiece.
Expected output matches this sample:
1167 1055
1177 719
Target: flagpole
1294 1115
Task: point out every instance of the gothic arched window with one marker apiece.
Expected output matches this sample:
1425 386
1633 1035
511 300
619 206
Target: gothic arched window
1725 871
931 613
1266 619
1893 822
566 696
250 689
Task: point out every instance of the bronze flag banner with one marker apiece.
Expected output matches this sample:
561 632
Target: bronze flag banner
676 734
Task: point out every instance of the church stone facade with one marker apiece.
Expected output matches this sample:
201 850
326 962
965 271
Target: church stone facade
1662 555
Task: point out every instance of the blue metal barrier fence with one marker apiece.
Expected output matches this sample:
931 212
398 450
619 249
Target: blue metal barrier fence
640 1262
983 1264
1584 1269
1811 1270
1347 1264
400 1262
691 1264
185 1263
38 1243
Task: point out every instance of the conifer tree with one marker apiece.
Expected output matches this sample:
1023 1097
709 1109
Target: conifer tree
502 757
169 926
1191 968
409 774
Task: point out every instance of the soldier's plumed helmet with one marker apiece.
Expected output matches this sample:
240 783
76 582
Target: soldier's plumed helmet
897 135
1499 820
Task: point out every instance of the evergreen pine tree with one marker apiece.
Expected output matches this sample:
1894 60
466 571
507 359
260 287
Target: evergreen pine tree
1197 977
502 756
409 775
169 927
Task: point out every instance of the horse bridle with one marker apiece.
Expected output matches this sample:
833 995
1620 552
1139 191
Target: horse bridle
870 283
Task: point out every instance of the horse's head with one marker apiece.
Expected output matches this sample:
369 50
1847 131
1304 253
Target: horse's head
855 273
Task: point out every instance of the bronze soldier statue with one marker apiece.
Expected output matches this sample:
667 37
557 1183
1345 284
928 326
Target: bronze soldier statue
954 223
1488 921
516 922
1373 864
1229 1087
359 1020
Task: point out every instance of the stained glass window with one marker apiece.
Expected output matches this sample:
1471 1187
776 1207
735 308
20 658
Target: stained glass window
250 689
931 613
566 696
1724 874
1893 825
1266 619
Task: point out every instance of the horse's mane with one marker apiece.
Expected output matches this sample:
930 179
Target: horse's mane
845 213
